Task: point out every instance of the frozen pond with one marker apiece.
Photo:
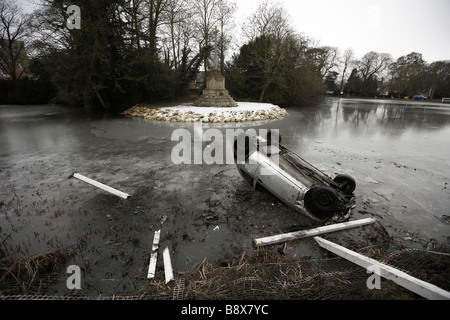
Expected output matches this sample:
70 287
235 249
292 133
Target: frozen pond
398 153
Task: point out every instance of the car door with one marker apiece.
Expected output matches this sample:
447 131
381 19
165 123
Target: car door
279 183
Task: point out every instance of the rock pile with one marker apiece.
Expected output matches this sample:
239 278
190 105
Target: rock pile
244 112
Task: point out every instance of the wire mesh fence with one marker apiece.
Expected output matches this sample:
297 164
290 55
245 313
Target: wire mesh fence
268 275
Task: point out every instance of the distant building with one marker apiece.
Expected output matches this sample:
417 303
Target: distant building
19 54
382 89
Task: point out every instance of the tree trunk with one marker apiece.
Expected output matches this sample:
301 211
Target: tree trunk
263 93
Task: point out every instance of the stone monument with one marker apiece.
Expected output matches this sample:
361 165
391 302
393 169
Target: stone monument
215 94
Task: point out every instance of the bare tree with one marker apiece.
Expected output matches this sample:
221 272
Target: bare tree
347 59
323 59
226 23
269 19
177 30
50 29
14 34
408 74
135 22
207 18
271 37
154 10
373 64
438 78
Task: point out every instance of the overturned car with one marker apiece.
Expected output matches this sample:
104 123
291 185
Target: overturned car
264 162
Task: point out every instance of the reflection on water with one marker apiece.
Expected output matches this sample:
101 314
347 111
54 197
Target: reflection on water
390 116
334 121
37 128
384 127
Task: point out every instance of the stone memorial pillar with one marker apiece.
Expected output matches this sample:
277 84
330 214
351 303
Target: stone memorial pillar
215 94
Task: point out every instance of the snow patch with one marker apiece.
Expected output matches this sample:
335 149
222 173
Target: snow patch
245 111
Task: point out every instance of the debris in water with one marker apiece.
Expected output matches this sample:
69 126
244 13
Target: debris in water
167 265
100 185
42 263
154 255
445 219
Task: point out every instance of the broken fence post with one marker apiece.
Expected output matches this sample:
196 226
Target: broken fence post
100 185
311 232
154 255
168 272
422 288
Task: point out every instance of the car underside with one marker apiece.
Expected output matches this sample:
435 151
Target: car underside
293 180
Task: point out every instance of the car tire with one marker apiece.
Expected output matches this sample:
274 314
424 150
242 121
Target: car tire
322 202
346 183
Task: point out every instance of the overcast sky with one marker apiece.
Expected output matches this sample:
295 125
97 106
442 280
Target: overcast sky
398 27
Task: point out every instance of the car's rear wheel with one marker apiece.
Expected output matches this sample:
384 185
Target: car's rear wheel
346 183
322 202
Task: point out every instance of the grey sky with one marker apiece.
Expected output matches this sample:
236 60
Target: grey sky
398 27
